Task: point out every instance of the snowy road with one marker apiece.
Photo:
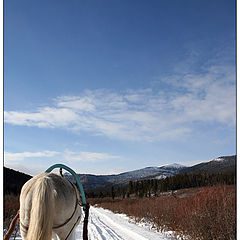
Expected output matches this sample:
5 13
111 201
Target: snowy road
105 225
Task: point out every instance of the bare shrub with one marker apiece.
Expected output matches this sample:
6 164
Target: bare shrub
10 208
212 213
208 214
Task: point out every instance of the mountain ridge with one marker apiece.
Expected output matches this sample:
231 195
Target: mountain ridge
91 182
227 164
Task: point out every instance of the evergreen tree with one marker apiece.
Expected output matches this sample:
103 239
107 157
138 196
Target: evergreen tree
112 193
130 188
155 187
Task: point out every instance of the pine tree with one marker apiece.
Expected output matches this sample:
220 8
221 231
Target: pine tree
130 188
155 187
112 193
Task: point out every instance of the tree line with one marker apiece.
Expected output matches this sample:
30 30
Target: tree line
153 187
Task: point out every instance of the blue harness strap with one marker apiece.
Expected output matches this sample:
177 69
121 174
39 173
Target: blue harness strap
79 185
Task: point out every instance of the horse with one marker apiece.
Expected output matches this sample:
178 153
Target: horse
49 207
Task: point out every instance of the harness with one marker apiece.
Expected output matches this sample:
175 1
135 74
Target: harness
87 206
84 204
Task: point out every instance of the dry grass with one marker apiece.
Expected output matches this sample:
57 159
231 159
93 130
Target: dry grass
10 208
209 213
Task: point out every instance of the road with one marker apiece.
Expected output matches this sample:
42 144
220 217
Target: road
105 225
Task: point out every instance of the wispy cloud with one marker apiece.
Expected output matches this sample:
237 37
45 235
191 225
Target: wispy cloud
187 98
20 156
36 162
87 156
48 117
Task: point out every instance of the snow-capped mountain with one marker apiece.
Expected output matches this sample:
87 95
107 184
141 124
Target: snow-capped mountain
91 182
174 166
225 164
220 159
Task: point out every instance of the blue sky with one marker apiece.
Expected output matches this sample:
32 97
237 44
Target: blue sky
110 86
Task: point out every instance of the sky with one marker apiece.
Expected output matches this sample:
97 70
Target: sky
108 86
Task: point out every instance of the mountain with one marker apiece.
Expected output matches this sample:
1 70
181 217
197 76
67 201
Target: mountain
92 182
224 164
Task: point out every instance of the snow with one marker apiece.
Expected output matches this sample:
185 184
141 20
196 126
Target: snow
160 177
173 165
218 159
106 225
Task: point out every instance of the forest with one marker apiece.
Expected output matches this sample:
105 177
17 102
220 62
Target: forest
155 187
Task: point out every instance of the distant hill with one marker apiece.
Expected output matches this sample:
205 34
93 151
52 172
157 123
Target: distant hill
13 181
224 164
92 182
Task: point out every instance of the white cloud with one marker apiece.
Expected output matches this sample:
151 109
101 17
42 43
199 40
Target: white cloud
28 168
87 156
67 155
36 162
20 156
78 103
49 117
146 114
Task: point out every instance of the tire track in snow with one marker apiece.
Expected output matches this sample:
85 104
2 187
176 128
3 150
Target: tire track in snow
105 225
118 227
103 229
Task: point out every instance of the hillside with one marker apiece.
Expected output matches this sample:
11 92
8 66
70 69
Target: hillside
100 182
13 181
224 164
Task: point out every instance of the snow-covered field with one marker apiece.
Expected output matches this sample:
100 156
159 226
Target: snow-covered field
105 225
